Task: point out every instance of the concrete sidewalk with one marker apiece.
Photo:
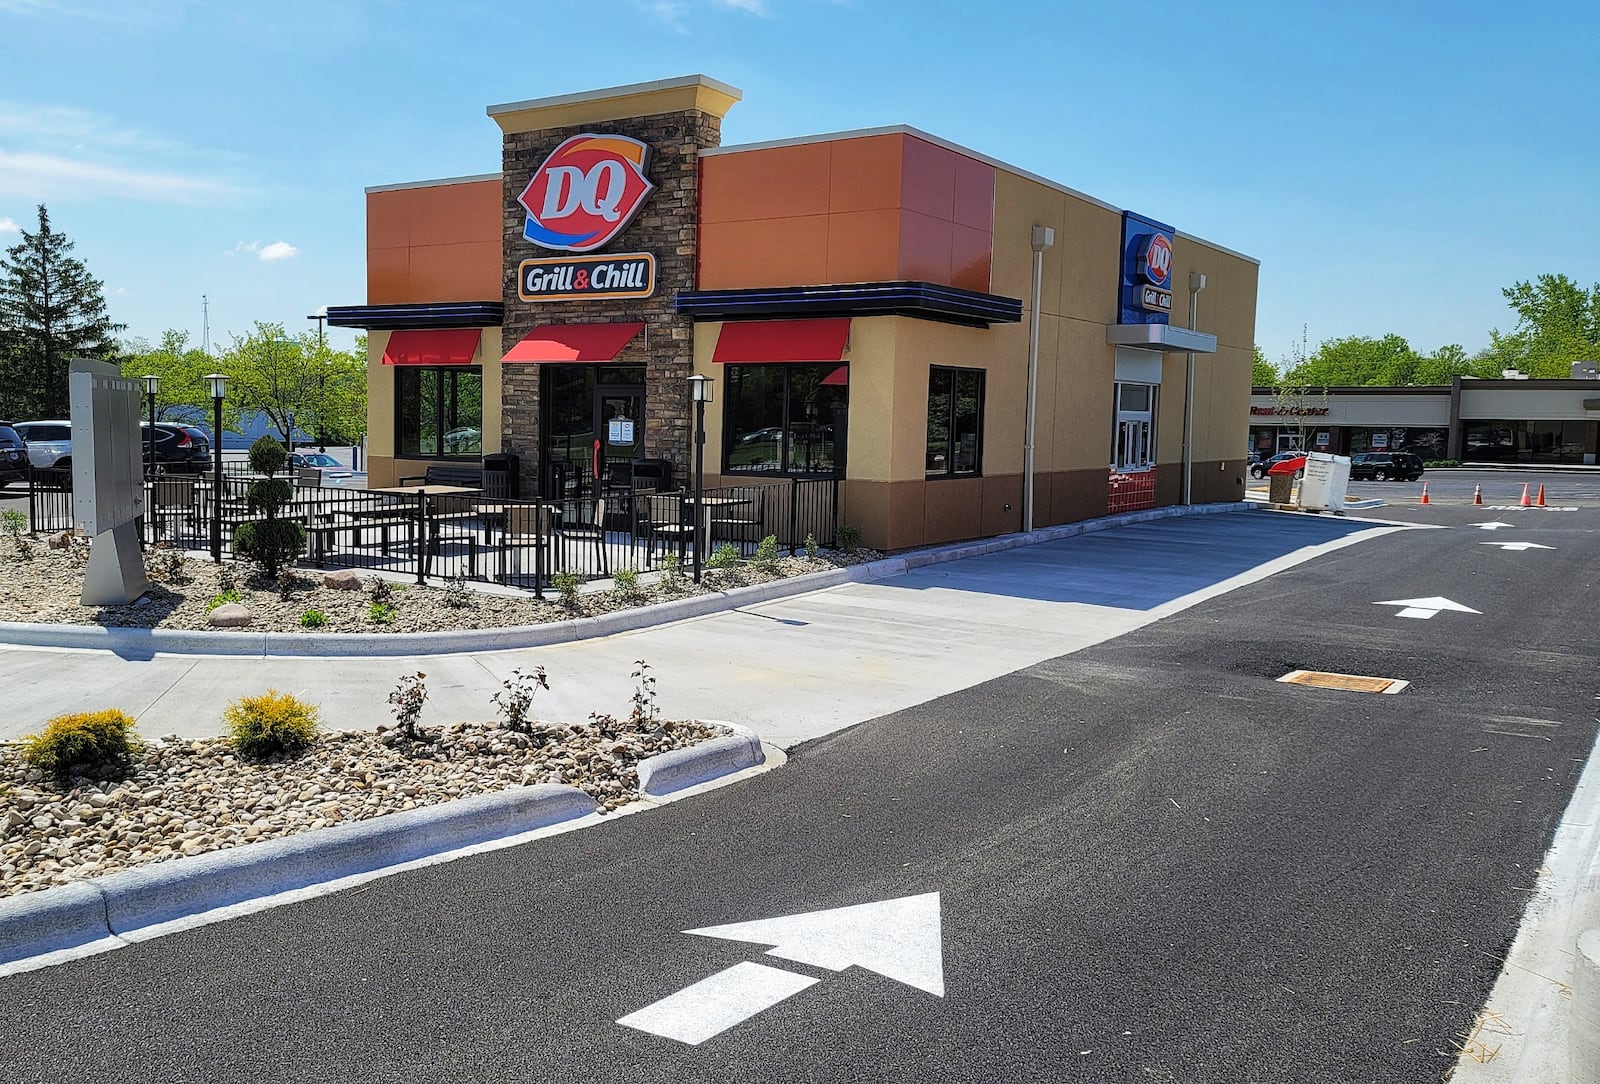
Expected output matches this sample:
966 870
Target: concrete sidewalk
791 669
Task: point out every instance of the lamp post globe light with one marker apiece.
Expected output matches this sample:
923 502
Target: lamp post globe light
700 394
218 383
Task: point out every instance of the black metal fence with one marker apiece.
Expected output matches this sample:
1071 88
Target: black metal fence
524 543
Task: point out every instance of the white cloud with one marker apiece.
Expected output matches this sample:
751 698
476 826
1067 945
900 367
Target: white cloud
279 250
244 246
754 7
9 225
670 12
42 176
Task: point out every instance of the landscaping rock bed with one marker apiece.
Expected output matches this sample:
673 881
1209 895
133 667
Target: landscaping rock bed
189 797
44 587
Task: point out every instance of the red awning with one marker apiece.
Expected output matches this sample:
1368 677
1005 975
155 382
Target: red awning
452 347
574 342
783 340
840 377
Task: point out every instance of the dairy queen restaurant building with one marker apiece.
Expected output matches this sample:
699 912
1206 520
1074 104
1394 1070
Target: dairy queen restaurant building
956 348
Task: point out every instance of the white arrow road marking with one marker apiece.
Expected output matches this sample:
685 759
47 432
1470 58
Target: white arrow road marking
696 1013
1427 607
1517 546
1494 526
898 939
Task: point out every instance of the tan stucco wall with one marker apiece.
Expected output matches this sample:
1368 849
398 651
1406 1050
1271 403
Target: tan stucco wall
385 469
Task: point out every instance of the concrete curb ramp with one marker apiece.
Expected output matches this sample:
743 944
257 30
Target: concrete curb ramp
84 912
142 643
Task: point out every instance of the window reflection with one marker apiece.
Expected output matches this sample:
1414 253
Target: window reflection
785 419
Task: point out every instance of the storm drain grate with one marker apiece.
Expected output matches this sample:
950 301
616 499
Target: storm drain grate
1349 682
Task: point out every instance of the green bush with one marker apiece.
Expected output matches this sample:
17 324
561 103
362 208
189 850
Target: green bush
313 619
271 724
381 613
567 583
229 595
97 744
726 555
627 581
811 546
270 543
671 572
849 537
1442 463
767 553
13 521
268 455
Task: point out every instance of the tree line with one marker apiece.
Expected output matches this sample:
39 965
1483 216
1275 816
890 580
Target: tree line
1558 323
53 310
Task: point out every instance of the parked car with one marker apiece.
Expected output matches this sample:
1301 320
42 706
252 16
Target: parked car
333 471
13 456
1260 468
179 449
49 442
1380 466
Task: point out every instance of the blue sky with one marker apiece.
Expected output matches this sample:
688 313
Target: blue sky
1392 165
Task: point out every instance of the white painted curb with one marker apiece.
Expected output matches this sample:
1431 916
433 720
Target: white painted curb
1583 1035
144 643
678 769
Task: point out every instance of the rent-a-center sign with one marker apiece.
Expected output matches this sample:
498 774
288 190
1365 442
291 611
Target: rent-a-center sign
582 196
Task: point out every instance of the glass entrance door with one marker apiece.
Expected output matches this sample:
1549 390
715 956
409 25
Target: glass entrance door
619 431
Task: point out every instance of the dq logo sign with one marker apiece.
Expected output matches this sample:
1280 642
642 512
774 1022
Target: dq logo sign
1156 263
586 192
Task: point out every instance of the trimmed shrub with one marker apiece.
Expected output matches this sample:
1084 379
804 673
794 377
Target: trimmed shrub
268 455
627 581
313 619
767 554
849 537
96 744
726 555
567 584
811 546
272 724
270 543
381 613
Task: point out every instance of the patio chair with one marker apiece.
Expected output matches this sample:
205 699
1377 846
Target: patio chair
308 476
745 521
173 500
526 526
590 526
664 518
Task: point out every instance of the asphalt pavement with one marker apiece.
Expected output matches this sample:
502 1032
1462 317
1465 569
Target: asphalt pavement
1153 860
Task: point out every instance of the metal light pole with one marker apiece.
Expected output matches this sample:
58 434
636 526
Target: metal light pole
1197 282
700 392
1040 238
151 383
219 386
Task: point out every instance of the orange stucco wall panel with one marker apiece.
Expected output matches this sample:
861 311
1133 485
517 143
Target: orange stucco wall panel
864 174
862 247
883 207
776 183
434 243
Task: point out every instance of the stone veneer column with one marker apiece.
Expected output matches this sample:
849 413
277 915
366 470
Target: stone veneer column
668 227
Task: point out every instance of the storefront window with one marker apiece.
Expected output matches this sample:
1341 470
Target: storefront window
438 412
1526 442
785 419
1133 432
955 422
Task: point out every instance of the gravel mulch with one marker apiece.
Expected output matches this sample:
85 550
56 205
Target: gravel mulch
190 797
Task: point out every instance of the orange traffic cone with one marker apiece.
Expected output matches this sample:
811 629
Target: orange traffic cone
1540 501
1524 502
1477 494
1425 494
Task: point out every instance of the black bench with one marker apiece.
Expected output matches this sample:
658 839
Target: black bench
446 474
322 532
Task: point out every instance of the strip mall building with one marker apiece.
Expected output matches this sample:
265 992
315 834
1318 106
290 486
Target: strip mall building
863 301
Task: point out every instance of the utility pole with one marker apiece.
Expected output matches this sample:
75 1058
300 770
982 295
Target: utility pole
205 326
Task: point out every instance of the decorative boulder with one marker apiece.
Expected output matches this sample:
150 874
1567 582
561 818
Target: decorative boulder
61 541
230 615
346 579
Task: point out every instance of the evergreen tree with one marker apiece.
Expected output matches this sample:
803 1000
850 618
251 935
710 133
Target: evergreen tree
51 311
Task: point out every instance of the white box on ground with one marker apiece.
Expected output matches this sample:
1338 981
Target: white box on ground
1327 478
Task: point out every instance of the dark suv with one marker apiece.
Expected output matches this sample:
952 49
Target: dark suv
1381 466
13 456
179 448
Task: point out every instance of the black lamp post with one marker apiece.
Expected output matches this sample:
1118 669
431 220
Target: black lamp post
219 386
151 383
700 393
